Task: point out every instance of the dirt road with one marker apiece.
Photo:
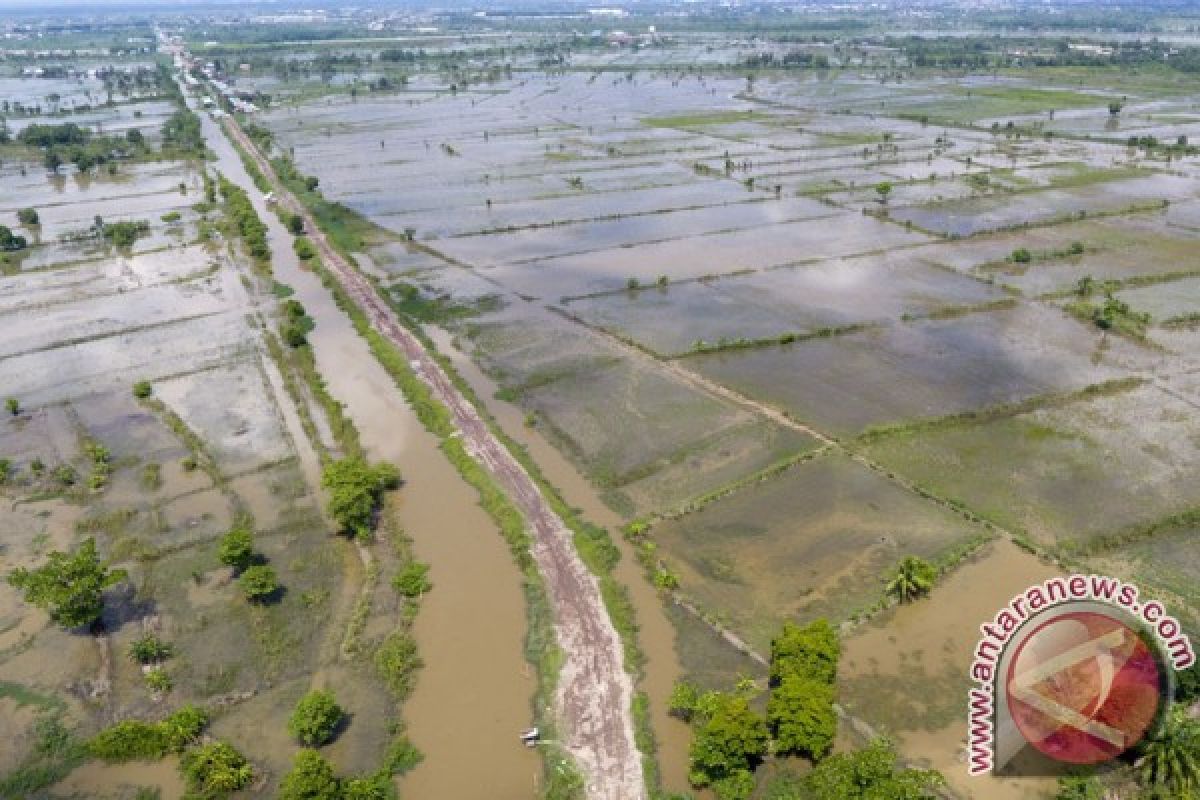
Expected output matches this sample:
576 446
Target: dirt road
594 694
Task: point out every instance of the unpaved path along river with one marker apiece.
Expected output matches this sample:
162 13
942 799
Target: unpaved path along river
594 692
474 693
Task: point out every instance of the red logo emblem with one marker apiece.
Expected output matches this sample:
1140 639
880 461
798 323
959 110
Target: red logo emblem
1084 687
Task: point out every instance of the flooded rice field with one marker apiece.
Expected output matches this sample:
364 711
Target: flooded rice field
794 326
684 283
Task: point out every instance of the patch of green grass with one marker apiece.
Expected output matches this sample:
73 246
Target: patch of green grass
699 120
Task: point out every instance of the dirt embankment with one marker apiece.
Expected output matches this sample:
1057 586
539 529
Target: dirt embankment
595 692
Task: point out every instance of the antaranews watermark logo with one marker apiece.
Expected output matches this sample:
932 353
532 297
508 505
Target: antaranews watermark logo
1074 670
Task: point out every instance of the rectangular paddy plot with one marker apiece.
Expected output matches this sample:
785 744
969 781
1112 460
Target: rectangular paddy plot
969 217
814 541
646 438
1119 249
800 300
931 368
542 242
1068 474
1167 561
719 253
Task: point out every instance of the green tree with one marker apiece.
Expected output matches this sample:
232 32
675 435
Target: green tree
912 578
1114 107
13 405
70 586
413 580
316 718
28 216
149 649
375 787
801 717
311 778
733 739
811 652
215 769
259 583
11 241
884 190
1022 255
142 390
684 699
236 549
869 774
1079 787
1170 758
356 490
295 224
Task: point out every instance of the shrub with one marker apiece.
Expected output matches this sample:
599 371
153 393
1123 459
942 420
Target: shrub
69 586
184 727
259 583
125 233
311 778
149 649
811 652
304 249
133 739
215 769
236 549
65 474
356 490
413 580
397 661
158 680
315 719
129 740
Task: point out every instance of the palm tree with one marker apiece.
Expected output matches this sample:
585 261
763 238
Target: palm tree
913 577
1171 758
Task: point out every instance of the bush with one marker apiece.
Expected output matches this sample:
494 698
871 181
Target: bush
801 716
129 740
149 649
142 390
304 249
374 788
356 490
11 241
236 549
125 233
1022 255
158 680
171 216
315 719
397 662
810 652
133 739
69 586
413 580
311 778
184 727
259 583
28 216
215 769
